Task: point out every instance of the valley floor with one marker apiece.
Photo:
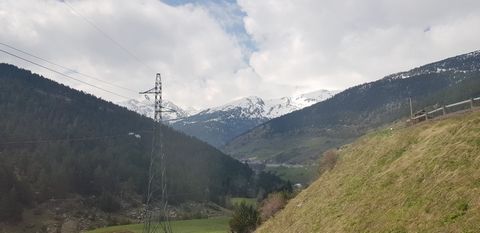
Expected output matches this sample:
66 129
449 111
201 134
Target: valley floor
211 225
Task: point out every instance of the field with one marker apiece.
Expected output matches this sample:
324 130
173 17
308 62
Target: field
212 225
303 175
239 200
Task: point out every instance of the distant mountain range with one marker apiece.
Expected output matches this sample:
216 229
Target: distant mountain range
255 107
218 125
146 108
302 136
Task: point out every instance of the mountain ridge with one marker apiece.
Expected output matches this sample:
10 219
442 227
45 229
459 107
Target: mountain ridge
303 135
218 125
146 108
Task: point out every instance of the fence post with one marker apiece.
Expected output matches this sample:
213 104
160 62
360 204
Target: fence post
443 110
471 103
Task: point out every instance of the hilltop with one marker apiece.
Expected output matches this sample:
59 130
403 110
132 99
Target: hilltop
422 178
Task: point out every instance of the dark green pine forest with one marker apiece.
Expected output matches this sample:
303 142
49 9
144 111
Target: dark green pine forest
56 142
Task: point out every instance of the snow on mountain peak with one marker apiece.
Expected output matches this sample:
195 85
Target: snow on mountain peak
278 107
245 102
252 107
256 107
248 107
147 108
460 64
473 54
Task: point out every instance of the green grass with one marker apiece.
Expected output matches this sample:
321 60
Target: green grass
211 225
238 200
298 149
276 149
303 175
423 178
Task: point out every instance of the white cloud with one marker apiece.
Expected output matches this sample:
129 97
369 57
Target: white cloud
207 59
336 44
195 55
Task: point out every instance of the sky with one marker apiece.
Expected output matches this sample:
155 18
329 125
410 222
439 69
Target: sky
211 52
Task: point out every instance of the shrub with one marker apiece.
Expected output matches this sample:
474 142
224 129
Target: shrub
328 161
272 204
245 219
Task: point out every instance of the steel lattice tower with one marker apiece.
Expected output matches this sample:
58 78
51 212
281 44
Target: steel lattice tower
156 221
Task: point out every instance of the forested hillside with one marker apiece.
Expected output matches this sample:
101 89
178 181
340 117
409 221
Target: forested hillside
421 178
56 141
303 135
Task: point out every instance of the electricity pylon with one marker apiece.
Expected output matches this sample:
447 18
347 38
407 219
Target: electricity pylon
156 221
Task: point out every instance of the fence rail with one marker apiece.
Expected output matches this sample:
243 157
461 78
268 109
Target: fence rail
445 110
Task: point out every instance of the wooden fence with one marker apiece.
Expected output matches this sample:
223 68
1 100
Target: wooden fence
447 109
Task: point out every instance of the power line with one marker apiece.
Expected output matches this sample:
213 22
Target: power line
66 68
175 119
167 109
110 38
94 25
90 138
65 75
78 80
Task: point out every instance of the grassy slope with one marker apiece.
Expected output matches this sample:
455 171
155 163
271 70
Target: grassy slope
306 148
424 178
303 175
212 225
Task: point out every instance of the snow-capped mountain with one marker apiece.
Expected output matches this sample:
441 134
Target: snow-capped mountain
146 108
218 125
221 124
279 107
256 107
459 64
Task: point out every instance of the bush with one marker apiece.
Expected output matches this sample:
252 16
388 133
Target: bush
188 215
272 204
328 161
245 219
